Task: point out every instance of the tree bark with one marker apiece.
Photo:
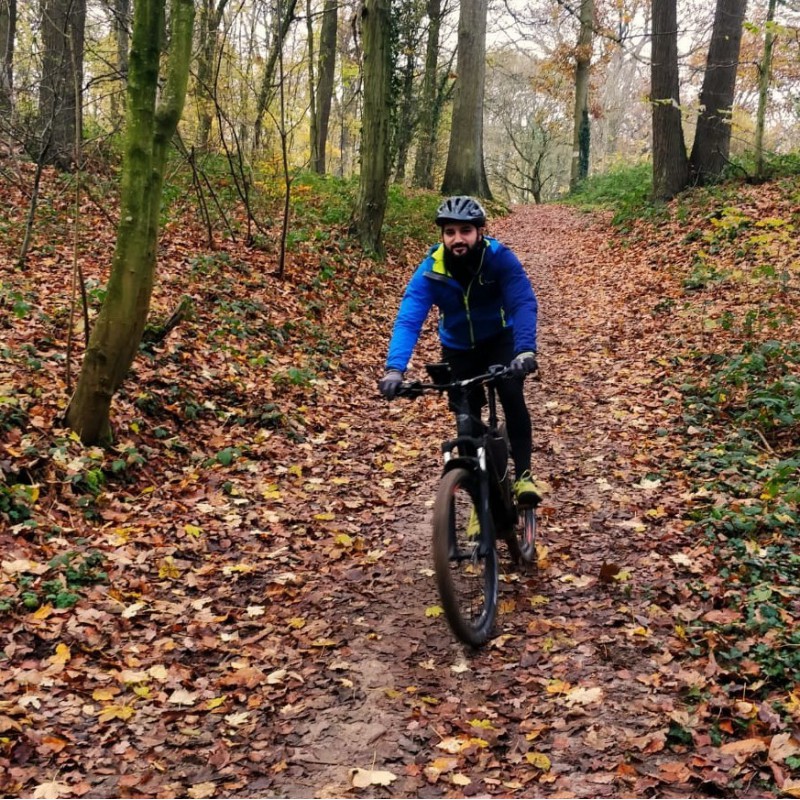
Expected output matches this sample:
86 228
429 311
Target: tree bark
283 22
764 71
210 20
712 141
374 182
430 112
465 172
670 164
118 329
313 134
122 12
325 75
60 97
8 28
580 129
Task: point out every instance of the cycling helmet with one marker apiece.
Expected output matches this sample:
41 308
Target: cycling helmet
461 208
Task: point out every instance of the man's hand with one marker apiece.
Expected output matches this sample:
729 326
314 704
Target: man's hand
524 364
390 383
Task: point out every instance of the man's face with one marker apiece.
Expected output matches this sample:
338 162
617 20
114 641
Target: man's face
460 237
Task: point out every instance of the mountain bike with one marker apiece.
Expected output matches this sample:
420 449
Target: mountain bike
475 506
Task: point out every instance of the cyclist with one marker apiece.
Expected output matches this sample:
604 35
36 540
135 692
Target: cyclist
487 316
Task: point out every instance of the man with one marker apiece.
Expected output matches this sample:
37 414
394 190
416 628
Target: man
487 316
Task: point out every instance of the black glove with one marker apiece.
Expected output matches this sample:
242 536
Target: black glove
390 383
524 364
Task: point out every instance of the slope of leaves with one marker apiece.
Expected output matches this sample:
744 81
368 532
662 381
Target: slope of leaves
236 600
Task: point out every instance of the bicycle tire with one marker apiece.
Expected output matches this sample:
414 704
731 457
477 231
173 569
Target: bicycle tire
466 578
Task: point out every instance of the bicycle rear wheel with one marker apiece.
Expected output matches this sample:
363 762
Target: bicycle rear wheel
465 575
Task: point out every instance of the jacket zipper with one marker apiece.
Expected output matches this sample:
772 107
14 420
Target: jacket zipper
466 297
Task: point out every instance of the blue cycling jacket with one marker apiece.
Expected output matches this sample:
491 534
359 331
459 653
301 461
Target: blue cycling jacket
499 296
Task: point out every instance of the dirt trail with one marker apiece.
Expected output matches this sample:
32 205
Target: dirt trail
580 670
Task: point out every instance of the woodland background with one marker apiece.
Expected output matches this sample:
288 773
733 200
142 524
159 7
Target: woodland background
237 541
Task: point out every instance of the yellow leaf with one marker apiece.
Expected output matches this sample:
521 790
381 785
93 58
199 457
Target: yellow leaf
216 702
344 540
61 656
326 516
539 600
538 760
43 612
200 791
168 569
102 695
434 611
557 687
361 778
134 426
141 691
389 467
482 723
296 470
459 779
115 712
193 530
297 623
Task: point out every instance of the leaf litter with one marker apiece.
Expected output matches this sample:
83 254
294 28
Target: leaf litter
254 599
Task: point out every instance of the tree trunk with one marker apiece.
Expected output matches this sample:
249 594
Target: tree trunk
313 133
118 329
122 11
765 69
580 128
8 27
670 164
210 20
374 183
325 76
283 22
62 75
712 141
429 113
465 172
406 119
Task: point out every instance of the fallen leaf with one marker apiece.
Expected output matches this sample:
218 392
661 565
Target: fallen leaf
51 789
538 760
743 747
783 746
202 790
182 697
361 778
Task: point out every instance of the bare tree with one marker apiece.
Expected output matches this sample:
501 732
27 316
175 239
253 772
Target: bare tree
580 129
670 164
62 76
8 27
465 172
712 141
373 191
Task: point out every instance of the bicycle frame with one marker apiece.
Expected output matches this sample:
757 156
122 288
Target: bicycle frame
475 453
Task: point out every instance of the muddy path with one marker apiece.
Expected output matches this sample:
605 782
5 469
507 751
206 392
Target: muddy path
576 694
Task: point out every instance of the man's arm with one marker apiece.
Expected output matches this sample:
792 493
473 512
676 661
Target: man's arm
411 316
520 301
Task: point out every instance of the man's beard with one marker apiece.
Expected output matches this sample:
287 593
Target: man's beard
466 263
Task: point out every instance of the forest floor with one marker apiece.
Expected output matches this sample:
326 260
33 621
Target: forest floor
253 607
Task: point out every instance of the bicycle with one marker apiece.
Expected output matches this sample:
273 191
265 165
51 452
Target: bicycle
475 506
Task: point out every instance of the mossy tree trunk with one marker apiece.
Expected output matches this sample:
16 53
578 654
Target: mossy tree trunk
374 182
118 329
583 64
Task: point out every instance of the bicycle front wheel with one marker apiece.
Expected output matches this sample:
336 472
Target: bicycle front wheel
465 560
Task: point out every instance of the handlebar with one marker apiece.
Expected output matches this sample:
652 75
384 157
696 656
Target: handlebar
413 389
